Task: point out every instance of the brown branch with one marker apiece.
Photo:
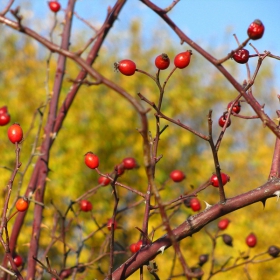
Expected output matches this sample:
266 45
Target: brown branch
194 224
250 99
7 8
275 165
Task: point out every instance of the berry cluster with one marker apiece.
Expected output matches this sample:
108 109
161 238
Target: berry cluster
236 108
128 67
135 247
255 31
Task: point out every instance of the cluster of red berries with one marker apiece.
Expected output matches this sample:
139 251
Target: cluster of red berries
128 67
255 31
92 161
250 240
86 206
4 116
135 247
236 108
54 6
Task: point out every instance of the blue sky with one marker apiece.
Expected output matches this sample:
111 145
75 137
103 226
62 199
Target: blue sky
208 22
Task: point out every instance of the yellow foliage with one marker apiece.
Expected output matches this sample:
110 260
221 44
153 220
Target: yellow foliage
104 123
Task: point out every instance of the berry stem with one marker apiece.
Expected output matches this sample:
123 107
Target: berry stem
216 159
275 166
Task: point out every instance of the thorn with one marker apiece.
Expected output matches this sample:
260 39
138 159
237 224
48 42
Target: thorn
161 249
208 206
277 193
263 202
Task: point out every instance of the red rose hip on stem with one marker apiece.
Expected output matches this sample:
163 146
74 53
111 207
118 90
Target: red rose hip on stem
85 205
195 204
126 66
18 260
91 160
22 204
3 110
132 248
177 176
236 107
162 61
54 6
241 56
222 121
4 119
255 30
129 163
104 181
15 133
215 182
138 245
182 60
120 169
223 224
251 240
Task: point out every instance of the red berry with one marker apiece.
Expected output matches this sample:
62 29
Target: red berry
22 204
251 240
132 248
18 260
162 61
177 175
135 247
65 273
104 181
129 163
255 30
223 224
3 110
183 59
195 204
138 245
110 222
85 205
4 119
15 133
126 67
241 56
222 121
91 160
215 182
54 6
236 107
120 169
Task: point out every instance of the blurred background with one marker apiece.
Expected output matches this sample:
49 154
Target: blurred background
103 122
